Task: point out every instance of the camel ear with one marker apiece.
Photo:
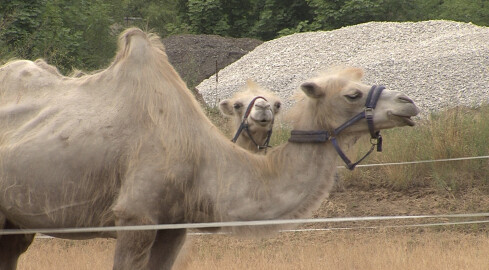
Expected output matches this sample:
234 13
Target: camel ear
312 90
225 107
276 106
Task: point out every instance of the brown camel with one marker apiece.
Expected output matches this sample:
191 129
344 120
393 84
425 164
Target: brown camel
253 111
129 145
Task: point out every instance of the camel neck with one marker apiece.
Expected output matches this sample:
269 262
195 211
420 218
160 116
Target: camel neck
256 143
286 183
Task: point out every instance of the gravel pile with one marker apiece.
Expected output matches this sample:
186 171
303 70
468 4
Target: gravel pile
437 63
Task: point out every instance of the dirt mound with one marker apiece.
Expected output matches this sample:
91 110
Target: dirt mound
197 57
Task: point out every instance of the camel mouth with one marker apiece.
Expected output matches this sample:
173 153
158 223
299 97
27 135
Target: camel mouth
406 119
261 122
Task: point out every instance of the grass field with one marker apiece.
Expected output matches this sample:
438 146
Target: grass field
355 249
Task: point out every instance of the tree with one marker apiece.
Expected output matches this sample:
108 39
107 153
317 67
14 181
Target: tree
338 13
400 10
476 11
18 21
240 16
161 16
67 34
276 15
207 17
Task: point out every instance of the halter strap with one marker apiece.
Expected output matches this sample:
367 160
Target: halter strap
370 104
309 136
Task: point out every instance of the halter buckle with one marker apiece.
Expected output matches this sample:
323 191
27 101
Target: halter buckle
369 113
374 141
377 141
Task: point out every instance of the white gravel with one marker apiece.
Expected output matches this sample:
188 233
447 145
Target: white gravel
437 63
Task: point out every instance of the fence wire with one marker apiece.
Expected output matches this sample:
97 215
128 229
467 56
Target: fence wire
231 224
275 222
416 162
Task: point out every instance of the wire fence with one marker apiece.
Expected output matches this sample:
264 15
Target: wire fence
238 224
283 222
417 162
417 225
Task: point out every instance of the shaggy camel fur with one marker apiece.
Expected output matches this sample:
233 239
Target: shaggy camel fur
129 145
260 119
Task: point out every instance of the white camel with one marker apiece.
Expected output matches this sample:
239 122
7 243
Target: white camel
129 145
253 111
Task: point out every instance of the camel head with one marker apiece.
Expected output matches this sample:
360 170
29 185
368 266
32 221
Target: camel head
335 98
264 107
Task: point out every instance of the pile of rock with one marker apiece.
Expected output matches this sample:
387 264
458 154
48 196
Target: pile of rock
437 63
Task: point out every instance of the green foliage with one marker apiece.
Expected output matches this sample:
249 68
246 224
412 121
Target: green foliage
277 15
66 33
476 11
207 17
335 14
162 16
303 26
17 22
98 41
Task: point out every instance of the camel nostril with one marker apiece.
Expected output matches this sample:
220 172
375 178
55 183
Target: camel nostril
405 99
262 106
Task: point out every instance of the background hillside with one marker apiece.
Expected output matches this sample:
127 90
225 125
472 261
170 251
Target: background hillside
82 34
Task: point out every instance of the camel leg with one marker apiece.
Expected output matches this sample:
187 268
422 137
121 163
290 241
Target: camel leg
136 206
133 249
12 246
166 248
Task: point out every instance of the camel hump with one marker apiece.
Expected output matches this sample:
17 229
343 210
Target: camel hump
131 36
250 83
137 46
352 73
254 88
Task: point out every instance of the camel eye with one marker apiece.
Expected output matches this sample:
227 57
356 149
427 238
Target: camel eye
237 105
277 105
355 96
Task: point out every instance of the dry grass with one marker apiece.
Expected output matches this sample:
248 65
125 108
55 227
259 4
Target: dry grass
454 133
52 254
387 249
